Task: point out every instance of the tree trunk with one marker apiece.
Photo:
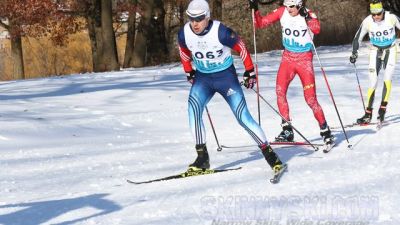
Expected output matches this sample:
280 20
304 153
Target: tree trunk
169 12
110 54
102 37
140 51
181 14
216 9
18 59
130 37
157 50
94 28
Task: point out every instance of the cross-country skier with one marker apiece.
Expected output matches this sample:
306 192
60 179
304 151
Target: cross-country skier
207 44
380 26
299 25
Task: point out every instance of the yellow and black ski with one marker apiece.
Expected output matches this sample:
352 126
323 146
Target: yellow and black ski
189 173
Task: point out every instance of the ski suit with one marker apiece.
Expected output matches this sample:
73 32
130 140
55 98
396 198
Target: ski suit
210 53
297 58
382 53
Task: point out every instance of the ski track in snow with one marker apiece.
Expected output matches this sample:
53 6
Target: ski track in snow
69 143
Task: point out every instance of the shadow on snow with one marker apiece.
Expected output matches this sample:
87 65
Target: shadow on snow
34 213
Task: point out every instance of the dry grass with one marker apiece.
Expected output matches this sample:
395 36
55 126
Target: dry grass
43 59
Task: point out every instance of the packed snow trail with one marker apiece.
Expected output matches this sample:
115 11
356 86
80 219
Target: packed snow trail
68 144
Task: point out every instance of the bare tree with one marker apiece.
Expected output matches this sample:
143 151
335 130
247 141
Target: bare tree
102 36
25 18
140 50
157 50
131 33
216 9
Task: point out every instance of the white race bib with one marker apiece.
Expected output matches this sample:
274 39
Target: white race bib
295 34
208 54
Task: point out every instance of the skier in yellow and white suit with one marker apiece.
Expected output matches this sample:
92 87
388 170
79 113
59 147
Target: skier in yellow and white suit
380 26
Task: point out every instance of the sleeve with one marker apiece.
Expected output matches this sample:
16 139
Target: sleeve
313 23
264 21
229 38
397 22
184 53
240 47
362 31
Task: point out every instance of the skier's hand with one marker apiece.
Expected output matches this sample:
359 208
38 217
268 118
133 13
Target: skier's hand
190 76
304 13
249 79
253 4
353 57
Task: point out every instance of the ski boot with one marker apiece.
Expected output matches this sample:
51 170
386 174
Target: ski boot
272 158
382 111
202 161
286 134
274 162
366 119
328 138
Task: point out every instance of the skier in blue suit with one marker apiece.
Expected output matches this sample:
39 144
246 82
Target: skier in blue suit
207 44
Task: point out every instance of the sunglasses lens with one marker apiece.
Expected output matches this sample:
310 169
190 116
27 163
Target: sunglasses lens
291 6
198 18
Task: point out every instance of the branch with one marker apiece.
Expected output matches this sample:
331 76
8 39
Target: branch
6 26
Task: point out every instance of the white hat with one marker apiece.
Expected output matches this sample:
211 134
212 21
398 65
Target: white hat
293 2
198 8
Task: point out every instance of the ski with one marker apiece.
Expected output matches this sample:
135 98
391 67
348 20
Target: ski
377 124
294 143
188 173
354 125
277 176
381 124
274 143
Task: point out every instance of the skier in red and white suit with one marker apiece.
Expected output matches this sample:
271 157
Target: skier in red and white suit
299 25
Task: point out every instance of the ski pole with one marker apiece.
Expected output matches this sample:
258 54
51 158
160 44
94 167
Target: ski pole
330 92
256 65
359 86
312 145
213 129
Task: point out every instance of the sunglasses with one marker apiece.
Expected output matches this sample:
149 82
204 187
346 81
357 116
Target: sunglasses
197 18
376 14
291 6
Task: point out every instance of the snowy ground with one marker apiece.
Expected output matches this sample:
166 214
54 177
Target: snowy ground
68 144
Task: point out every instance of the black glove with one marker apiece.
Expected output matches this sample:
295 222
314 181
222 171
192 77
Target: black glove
304 13
353 57
253 4
190 76
249 78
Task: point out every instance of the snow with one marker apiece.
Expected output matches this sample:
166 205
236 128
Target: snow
69 143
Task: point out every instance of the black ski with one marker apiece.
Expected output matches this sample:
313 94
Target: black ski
188 173
277 176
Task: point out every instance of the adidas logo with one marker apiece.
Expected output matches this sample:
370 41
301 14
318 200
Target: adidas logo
230 92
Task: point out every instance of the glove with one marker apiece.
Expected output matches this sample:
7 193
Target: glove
353 57
249 78
304 13
253 4
190 76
